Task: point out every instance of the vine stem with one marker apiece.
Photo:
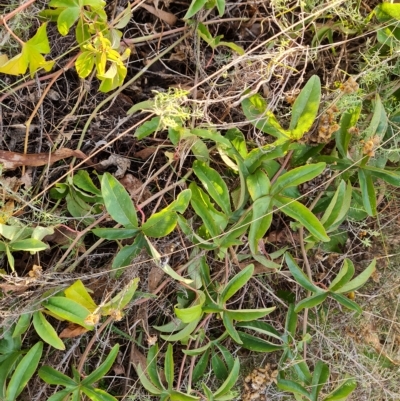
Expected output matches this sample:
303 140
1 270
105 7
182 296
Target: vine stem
20 8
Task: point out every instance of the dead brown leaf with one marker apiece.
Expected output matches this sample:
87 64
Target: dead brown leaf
145 153
72 330
135 187
154 278
167 17
12 160
137 358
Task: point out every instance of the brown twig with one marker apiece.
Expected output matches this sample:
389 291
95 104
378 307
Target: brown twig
18 10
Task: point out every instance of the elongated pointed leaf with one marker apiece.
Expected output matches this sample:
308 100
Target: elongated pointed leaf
358 281
148 128
218 366
214 185
305 108
391 177
303 215
291 321
257 344
23 372
46 331
344 275
160 224
187 315
348 303
97 394
230 328
293 387
78 292
118 202
230 381
101 371
261 222
247 315
181 203
367 191
262 328
179 396
342 391
258 185
348 120
201 366
312 301
297 176
183 334
53 376
122 298
299 275
237 282
320 377
147 384
169 367
115 233
22 325
152 366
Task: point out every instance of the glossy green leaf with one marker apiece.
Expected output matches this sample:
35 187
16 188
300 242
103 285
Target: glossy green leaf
22 325
214 185
297 176
29 245
46 331
299 275
101 371
256 110
342 391
53 376
121 299
348 303
181 203
302 214
78 292
367 191
230 380
358 281
118 202
183 334
23 372
68 309
247 315
201 366
187 315
169 367
230 328
344 275
320 377
305 108
258 185
237 282
151 369
195 6
214 220
260 222
293 387
148 128
160 224
312 301
115 233
257 344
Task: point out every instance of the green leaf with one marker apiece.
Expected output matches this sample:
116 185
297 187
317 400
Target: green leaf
181 203
303 215
146 383
78 292
291 320
262 328
345 388
256 344
237 282
101 371
246 315
46 331
152 366
179 396
97 394
118 202
53 376
214 220
30 56
218 366
348 120
230 380
22 325
293 387
320 377
6 367
300 276
68 17
213 136
148 128
186 315
344 275
359 281
126 255
305 108
23 372
260 222
121 299
367 191
297 176
221 7
214 185
201 366
348 303
312 301
68 309
230 361
391 177
169 367
125 18
230 328
160 224
83 181
173 325
183 334
256 110
258 185
195 6
28 245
